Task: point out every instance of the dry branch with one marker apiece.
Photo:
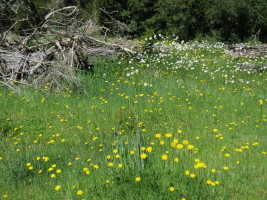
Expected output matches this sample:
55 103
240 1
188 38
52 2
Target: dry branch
59 46
49 15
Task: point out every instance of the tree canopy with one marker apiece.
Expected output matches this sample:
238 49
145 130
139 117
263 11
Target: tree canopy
228 20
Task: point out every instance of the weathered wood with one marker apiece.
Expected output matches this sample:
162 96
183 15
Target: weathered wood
246 50
251 67
59 46
251 51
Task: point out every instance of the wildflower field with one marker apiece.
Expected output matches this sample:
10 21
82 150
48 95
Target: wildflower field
183 124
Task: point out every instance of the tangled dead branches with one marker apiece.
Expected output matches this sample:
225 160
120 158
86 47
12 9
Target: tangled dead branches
50 52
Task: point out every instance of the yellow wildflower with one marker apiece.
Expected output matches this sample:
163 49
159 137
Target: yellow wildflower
143 156
164 157
57 187
137 179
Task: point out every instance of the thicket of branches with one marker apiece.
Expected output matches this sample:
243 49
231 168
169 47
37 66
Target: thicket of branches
42 45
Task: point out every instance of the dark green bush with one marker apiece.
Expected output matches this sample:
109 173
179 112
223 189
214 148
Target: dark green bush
228 20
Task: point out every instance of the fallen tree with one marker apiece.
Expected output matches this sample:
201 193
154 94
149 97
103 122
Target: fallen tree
53 51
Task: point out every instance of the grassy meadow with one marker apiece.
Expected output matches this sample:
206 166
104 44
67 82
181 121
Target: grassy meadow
182 124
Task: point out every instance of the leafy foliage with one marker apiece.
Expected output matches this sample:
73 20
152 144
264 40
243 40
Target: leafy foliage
229 20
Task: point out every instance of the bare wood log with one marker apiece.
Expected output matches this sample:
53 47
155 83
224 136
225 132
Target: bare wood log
86 38
107 43
33 69
248 50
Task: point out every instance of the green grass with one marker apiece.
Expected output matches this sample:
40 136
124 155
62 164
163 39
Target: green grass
192 96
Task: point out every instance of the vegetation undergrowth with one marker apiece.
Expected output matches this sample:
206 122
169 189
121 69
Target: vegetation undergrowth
182 123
